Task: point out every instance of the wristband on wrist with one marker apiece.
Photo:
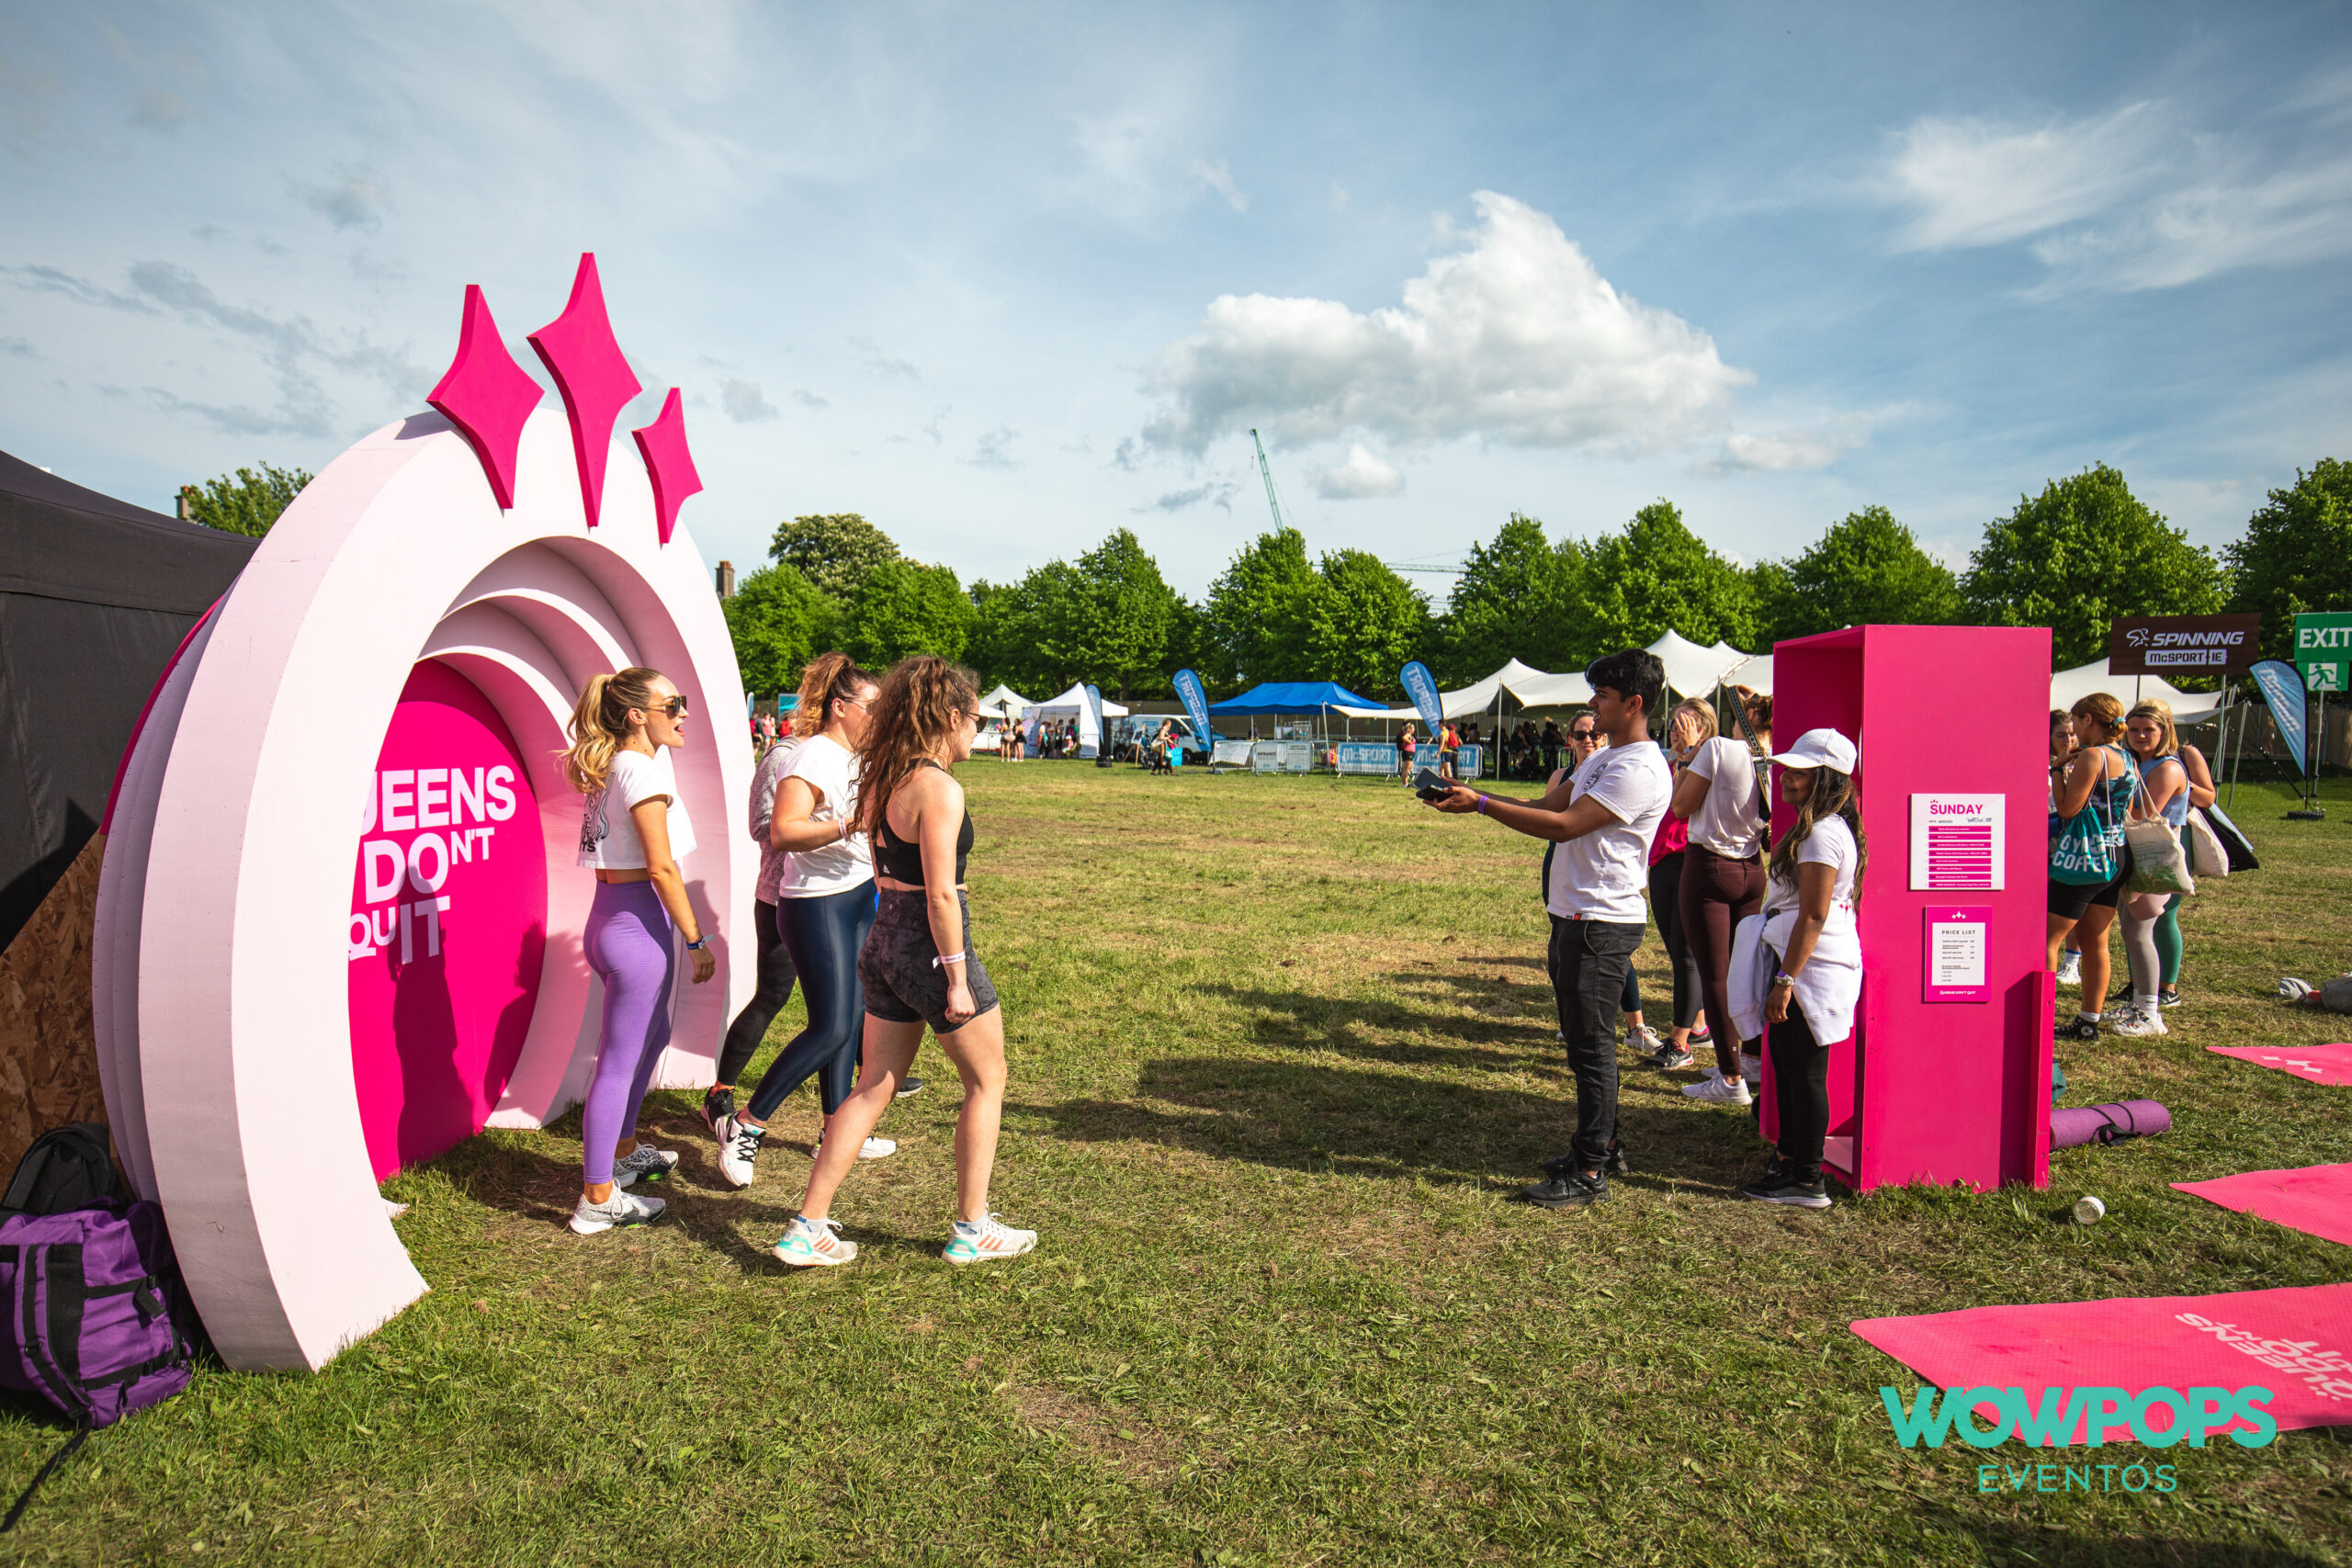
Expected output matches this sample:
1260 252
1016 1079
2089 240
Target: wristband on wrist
1784 978
1482 803
699 944
947 959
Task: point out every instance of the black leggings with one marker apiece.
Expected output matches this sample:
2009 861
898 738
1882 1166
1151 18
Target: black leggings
1800 1092
1666 895
823 935
775 988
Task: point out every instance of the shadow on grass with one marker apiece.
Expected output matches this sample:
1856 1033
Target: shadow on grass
1314 1117
2023 1544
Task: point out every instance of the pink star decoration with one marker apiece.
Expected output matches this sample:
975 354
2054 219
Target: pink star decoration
662 445
487 396
589 370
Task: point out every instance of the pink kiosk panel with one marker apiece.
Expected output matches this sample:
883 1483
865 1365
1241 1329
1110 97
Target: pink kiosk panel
1936 1090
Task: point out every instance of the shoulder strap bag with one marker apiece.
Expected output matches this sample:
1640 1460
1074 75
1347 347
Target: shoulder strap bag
2158 862
2081 855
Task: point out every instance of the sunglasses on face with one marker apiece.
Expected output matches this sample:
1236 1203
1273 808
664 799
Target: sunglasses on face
675 707
1583 734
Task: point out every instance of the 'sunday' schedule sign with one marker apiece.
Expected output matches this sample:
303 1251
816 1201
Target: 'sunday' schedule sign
1956 843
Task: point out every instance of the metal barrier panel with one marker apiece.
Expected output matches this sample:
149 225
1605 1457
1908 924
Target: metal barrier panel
1266 757
1469 762
1375 759
1298 757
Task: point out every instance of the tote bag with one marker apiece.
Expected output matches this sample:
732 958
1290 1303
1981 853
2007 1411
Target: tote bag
2081 856
2159 864
2207 855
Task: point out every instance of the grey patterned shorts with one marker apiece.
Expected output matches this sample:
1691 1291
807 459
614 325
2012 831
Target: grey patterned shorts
902 984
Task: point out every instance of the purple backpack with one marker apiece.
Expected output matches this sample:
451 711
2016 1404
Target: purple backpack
97 1321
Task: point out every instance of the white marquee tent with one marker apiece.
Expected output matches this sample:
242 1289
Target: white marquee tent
1005 702
1072 704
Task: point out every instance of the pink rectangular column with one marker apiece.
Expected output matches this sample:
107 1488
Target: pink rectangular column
1937 1091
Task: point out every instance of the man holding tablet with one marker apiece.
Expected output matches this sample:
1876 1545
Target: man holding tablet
1603 815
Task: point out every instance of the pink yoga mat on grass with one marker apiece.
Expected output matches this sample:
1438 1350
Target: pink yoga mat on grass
2317 1198
2315 1064
2295 1342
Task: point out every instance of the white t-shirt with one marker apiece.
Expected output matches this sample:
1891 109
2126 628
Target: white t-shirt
1601 877
608 839
830 769
1725 821
1831 844
764 782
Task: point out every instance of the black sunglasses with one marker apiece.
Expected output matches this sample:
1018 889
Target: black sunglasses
1583 734
675 707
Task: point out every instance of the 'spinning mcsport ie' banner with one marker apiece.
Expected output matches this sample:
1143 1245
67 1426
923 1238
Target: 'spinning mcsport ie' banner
2168 644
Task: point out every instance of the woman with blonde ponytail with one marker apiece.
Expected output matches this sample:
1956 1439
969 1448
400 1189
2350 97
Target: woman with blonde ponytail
632 832
918 965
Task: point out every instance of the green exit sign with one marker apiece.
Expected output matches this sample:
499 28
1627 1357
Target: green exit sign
2324 650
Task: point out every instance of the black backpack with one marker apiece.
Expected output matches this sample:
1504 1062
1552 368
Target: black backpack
68 1167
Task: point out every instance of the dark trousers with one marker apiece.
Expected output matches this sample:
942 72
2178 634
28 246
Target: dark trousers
1666 887
1717 893
775 990
823 935
1800 1092
1589 960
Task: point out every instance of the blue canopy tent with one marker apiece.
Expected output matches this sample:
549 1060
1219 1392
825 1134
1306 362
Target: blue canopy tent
1316 697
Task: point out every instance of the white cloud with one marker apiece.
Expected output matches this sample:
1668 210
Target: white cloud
744 400
1361 476
1517 339
1216 492
2130 200
809 400
1780 453
993 450
1219 178
352 198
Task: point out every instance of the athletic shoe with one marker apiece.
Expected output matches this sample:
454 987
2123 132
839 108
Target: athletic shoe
1778 1186
2070 969
2137 1025
623 1208
1613 1163
1566 1189
644 1163
1703 1037
1715 1089
872 1148
1670 1058
908 1086
2169 997
987 1241
1751 1070
814 1244
2078 1028
717 1106
739 1151
1643 1038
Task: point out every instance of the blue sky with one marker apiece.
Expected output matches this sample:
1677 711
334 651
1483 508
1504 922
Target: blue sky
1005 278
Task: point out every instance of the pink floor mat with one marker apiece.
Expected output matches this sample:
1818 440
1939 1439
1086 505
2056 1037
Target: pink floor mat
2318 1064
2317 1198
2296 1342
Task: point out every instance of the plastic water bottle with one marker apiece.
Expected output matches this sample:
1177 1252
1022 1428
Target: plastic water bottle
2090 1211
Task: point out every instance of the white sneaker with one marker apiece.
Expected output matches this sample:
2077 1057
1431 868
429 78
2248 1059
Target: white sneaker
2138 1025
985 1242
814 1244
1716 1090
1643 1039
2070 969
1751 1070
872 1148
644 1162
623 1208
739 1151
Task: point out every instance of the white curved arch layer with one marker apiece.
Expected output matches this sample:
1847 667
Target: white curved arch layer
238 1018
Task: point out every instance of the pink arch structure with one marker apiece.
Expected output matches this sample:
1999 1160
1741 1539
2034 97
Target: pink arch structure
222 966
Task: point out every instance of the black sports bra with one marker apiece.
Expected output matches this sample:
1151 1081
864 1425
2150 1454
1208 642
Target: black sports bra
902 862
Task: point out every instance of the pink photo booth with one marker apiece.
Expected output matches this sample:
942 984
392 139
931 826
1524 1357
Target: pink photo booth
1946 1077
339 923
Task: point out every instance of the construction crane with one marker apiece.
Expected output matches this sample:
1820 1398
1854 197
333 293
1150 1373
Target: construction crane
1455 571
1265 471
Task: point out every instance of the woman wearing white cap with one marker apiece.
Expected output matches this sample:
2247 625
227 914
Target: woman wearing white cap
1811 939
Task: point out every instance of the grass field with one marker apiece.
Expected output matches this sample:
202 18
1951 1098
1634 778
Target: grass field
1281 1048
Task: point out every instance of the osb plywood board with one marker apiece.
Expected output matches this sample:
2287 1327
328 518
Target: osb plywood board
48 1047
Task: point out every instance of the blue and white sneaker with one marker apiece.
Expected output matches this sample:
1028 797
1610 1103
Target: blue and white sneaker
987 1241
814 1244
643 1163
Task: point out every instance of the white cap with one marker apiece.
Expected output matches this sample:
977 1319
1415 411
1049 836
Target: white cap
1819 748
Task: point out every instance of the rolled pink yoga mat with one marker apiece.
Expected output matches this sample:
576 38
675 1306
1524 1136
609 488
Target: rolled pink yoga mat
2080 1124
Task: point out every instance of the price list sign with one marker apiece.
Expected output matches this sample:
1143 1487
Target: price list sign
1956 844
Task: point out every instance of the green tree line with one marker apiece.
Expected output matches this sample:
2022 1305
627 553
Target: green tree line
2073 558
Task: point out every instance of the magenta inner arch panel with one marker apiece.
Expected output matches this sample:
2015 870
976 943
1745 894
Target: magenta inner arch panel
449 922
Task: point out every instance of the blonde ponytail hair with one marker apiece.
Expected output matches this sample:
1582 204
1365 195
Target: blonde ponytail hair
600 724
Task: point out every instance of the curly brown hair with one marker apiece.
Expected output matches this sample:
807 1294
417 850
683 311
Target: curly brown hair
922 701
829 678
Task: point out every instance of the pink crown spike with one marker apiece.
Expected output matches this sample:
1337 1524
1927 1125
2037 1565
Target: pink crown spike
487 396
662 445
589 370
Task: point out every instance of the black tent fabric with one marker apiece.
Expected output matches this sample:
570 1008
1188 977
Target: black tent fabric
94 594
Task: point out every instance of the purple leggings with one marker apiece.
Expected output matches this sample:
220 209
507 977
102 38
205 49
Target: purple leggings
630 946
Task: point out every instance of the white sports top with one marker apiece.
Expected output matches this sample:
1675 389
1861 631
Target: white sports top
608 839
